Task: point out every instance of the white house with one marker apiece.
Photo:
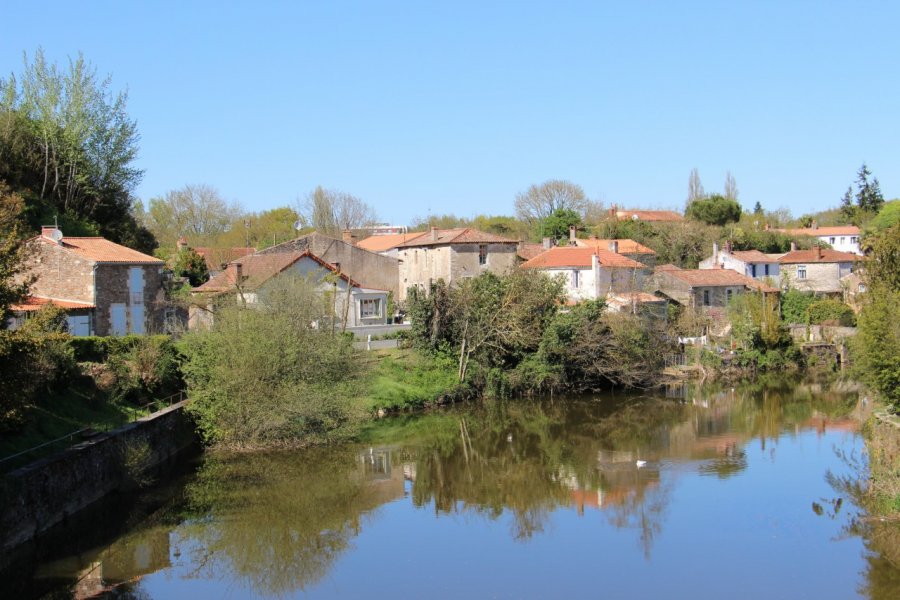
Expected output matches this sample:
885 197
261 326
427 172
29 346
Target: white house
590 273
751 263
843 238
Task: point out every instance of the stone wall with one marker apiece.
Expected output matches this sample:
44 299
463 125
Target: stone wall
501 259
60 273
820 277
36 497
112 288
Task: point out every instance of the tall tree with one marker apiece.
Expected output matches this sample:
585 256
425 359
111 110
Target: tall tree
332 211
12 287
695 188
197 211
541 200
757 208
731 190
714 210
868 195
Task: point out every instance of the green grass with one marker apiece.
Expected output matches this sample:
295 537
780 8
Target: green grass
407 379
58 415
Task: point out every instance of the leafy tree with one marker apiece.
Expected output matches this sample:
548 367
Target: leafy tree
795 306
191 265
197 211
13 287
885 219
260 230
714 210
332 211
557 224
831 312
541 200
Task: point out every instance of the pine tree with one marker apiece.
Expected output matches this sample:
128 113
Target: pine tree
758 209
847 208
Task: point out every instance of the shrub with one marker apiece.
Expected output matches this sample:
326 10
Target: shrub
794 305
831 312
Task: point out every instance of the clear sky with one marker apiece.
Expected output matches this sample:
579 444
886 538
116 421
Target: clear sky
440 107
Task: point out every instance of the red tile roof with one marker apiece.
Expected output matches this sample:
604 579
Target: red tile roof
822 231
216 257
101 250
716 278
818 255
529 251
629 297
383 243
576 256
753 256
257 269
626 246
467 235
649 215
33 303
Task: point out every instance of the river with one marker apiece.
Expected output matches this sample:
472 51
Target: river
746 492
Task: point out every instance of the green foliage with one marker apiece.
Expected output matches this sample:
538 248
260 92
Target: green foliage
557 224
410 379
265 376
12 251
831 312
764 341
795 306
886 218
714 210
191 265
681 244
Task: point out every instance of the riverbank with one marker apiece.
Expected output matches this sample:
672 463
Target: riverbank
882 435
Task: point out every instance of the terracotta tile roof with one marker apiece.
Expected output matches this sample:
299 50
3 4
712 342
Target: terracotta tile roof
821 231
626 246
216 257
575 256
818 255
101 250
527 251
628 298
383 243
717 278
649 215
753 256
466 235
33 303
257 269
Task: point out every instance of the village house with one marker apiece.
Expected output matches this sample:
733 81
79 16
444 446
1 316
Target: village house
623 246
751 263
452 255
215 258
816 270
246 281
843 238
388 243
637 303
590 273
376 270
709 290
105 288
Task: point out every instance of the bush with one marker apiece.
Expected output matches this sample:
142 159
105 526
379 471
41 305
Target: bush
831 312
794 306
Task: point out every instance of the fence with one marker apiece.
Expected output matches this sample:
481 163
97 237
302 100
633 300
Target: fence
13 461
676 360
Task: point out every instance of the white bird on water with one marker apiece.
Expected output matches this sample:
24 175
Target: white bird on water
640 463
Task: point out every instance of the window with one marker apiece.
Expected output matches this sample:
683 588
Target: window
728 293
370 308
854 239
801 271
842 240
766 270
575 279
752 270
862 287
831 241
482 254
705 297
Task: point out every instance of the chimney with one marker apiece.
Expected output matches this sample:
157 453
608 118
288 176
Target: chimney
520 247
434 234
815 225
819 252
52 233
546 243
793 246
613 246
595 262
571 235
347 237
337 266
237 272
728 246
181 244
715 252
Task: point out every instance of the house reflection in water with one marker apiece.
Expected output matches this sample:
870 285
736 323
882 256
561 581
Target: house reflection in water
387 482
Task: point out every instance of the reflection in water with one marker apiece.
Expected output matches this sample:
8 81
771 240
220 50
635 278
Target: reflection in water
277 523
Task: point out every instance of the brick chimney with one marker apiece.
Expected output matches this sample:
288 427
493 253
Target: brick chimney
715 252
613 246
819 252
347 237
571 235
815 225
236 270
434 234
52 233
546 243
793 246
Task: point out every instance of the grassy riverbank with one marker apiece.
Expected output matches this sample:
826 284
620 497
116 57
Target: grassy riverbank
405 379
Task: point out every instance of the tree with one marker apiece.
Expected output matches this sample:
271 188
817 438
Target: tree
541 200
557 224
332 211
197 211
695 188
731 191
714 210
758 209
191 265
848 210
868 195
13 287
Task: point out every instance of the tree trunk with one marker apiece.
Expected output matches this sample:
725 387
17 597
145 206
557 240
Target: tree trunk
460 372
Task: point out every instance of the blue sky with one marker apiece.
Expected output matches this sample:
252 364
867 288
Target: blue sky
455 107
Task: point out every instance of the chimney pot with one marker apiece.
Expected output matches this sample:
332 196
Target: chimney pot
238 269
613 246
434 234
793 246
347 236
546 243
572 234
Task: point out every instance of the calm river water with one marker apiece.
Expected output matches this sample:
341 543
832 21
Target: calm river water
706 493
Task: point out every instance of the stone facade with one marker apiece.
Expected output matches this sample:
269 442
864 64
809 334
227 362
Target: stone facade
60 274
112 287
822 278
423 265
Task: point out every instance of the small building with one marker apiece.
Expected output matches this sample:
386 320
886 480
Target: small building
452 255
751 263
704 288
247 280
78 314
590 273
623 246
387 243
843 238
637 303
817 270
107 288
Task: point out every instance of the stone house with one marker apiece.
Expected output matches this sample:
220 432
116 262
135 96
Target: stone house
452 255
843 238
623 246
589 273
376 270
108 289
246 281
816 270
751 263
388 244
704 289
